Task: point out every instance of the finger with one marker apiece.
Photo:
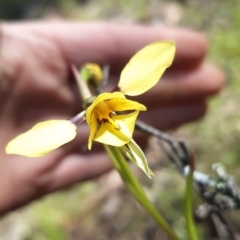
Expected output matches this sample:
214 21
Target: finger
111 43
18 189
74 169
184 86
25 179
173 116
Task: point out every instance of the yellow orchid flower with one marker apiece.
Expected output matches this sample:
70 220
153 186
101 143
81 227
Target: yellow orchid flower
140 74
107 120
111 117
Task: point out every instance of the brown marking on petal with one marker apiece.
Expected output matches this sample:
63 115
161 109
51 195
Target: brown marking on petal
105 120
118 129
116 89
110 114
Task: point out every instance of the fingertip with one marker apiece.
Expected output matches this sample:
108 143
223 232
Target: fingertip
194 48
216 81
191 46
170 117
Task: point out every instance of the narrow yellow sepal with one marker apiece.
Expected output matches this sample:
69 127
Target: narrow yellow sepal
146 67
136 155
42 138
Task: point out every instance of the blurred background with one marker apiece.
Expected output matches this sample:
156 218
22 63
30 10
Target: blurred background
103 209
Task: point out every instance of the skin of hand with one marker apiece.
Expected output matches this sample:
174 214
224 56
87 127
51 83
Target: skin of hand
36 85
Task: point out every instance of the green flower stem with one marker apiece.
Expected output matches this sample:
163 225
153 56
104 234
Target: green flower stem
191 230
135 188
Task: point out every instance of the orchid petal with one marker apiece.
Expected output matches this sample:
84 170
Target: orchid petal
117 105
110 135
93 130
126 122
43 138
100 98
146 67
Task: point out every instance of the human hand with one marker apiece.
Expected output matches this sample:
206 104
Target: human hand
36 85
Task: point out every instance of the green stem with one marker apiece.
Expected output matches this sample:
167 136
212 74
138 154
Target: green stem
135 188
191 230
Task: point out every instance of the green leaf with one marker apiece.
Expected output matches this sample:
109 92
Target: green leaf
191 230
136 190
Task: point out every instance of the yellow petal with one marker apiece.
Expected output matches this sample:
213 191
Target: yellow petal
100 98
146 67
117 105
126 123
93 130
43 138
109 135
